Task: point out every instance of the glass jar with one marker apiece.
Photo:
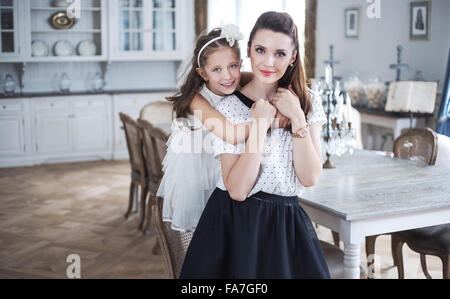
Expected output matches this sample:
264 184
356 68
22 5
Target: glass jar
64 83
9 86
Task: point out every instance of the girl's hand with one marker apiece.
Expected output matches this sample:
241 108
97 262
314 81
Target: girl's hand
264 110
287 103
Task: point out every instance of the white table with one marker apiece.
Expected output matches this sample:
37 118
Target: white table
370 194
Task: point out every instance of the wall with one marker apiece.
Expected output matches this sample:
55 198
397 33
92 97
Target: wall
375 49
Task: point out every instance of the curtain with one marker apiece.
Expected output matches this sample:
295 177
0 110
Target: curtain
444 111
201 16
310 38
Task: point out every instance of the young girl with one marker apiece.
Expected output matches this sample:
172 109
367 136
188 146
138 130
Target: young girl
252 226
190 171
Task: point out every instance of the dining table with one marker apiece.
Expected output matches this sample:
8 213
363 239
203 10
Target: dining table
370 193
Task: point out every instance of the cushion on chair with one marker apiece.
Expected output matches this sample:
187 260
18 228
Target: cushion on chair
335 260
433 238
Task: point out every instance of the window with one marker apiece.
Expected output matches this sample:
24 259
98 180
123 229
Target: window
244 13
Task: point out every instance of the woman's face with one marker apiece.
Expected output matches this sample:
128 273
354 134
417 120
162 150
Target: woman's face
270 54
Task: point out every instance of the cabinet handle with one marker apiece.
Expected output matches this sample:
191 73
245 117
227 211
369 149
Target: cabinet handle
51 104
4 107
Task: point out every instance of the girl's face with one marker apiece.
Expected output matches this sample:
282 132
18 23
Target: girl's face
271 53
222 71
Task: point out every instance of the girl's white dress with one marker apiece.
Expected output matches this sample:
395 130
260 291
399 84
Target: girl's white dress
190 170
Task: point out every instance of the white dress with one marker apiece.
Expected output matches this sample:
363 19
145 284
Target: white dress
190 171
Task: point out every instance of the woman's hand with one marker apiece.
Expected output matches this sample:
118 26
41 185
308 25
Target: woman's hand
287 103
263 110
280 121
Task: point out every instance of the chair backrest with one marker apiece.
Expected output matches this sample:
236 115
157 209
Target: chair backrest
417 144
154 148
159 112
174 244
134 143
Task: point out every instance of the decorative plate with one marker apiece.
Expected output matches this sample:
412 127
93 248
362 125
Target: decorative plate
61 20
39 48
63 48
87 48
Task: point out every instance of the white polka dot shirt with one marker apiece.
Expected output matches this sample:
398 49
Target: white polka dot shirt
276 174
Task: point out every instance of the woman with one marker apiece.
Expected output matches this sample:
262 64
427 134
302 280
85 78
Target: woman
252 225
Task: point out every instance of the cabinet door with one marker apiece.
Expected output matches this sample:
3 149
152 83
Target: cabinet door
53 134
90 132
146 29
12 136
9 46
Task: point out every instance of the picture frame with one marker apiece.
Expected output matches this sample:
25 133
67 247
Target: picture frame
420 20
352 22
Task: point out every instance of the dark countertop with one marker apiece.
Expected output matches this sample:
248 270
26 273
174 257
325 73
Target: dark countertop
382 112
78 93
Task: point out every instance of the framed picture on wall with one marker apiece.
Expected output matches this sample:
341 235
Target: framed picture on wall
420 20
352 19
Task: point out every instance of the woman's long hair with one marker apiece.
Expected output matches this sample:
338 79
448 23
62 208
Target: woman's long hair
295 75
194 82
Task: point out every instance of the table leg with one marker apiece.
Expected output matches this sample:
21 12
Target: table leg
352 260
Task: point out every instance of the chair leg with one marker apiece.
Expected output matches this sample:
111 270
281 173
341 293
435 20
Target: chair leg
423 263
445 267
392 252
397 245
370 254
335 238
143 204
149 214
130 201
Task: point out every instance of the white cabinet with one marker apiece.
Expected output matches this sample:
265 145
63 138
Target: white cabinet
72 126
12 136
146 29
9 30
130 104
53 134
15 135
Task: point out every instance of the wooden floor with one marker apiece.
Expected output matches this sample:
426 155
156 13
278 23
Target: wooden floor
49 212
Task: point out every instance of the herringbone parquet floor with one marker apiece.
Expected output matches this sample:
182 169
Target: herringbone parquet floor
51 211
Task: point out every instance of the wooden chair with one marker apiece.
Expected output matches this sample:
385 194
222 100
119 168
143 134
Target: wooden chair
173 243
154 145
422 145
138 169
157 113
415 144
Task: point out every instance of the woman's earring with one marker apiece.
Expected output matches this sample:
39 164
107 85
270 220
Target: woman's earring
292 65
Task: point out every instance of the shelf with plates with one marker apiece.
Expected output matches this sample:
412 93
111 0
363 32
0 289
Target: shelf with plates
54 36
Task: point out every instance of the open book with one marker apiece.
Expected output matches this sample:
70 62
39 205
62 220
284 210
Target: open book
413 96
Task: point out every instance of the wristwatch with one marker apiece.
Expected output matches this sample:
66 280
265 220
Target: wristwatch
301 133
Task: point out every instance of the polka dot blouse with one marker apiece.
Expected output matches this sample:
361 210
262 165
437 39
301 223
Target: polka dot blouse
276 174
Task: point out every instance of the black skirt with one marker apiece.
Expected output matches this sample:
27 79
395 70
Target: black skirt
264 237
